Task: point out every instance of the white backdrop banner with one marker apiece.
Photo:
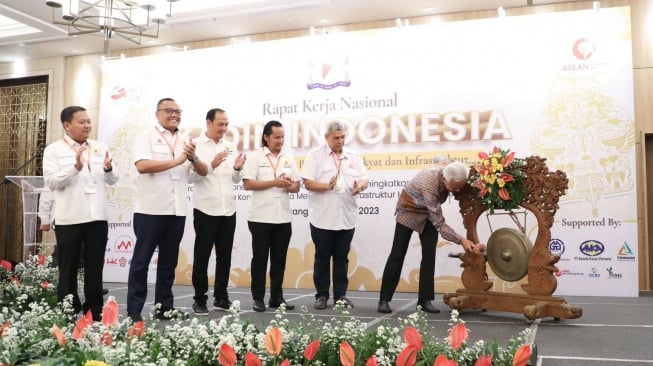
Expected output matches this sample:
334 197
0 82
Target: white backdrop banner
555 85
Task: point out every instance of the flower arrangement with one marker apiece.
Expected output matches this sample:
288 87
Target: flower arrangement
497 180
46 336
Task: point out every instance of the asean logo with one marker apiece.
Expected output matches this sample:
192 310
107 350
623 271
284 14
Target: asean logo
556 246
583 48
124 244
592 248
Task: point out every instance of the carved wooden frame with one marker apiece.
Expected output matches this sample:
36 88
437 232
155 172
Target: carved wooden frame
543 191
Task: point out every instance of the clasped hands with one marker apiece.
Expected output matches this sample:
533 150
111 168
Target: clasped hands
283 181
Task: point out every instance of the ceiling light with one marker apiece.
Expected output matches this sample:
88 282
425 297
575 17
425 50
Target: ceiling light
127 19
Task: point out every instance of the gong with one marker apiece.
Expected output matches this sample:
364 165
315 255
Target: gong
507 253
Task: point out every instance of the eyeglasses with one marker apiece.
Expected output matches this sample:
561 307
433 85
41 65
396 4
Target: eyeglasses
170 110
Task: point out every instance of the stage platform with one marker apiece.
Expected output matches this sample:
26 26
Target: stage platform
612 331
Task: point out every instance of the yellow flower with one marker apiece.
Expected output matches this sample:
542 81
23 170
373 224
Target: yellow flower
95 363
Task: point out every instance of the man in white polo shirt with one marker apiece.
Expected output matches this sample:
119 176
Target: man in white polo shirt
77 169
214 214
163 159
271 175
333 175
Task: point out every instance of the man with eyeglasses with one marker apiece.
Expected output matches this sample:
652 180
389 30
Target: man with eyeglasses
163 159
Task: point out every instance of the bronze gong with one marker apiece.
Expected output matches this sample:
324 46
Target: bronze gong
507 253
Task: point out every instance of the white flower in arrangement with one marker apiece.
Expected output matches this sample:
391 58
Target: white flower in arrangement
28 335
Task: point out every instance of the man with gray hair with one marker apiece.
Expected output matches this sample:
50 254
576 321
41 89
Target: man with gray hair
333 175
419 209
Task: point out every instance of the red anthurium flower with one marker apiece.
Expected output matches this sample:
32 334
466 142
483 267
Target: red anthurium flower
311 350
136 330
508 159
347 355
483 192
45 285
496 150
106 338
6 264
40 259
226 355
371 361
81 325
4 329
484 361
273 341
252 359
457 336
413 338
110 313
15 280
285 363
503 193
483 156
408 356
442 360
58 334
522 356
507 177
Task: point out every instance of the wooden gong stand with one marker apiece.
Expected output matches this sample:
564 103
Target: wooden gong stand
543 190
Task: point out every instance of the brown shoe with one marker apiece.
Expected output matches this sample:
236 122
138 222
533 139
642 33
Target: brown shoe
320 303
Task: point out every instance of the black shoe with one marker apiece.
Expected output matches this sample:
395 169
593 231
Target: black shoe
222 304
258 306
427 307
199 308
345 302
105 291
277 303
384 307
320 303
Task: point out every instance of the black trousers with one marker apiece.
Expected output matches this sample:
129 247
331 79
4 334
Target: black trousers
152 231
89 239
210 232
331 244
392 272
269 240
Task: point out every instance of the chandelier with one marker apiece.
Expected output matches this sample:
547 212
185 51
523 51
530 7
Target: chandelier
127 19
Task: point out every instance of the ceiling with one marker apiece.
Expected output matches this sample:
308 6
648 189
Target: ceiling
196 20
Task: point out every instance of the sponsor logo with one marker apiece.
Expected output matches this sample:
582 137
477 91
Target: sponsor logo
556 246
626 254
592 248
123 262
111 261
567 272
124 244
594 273
612 274
118 92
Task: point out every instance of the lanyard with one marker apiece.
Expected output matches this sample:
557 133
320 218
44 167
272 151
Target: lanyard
76 149
171 146
338 164
274 166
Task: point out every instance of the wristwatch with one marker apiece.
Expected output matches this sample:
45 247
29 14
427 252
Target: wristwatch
193 159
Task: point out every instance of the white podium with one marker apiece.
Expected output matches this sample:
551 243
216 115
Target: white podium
31 188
